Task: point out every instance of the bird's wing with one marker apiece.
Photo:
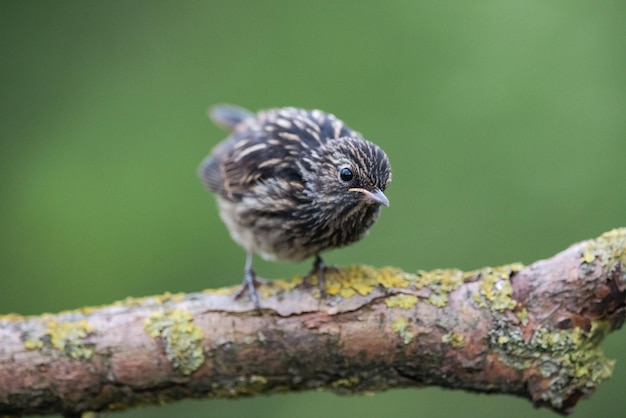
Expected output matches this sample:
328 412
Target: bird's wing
241 162
272 146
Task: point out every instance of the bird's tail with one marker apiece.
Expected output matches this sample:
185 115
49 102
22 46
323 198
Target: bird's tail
228 116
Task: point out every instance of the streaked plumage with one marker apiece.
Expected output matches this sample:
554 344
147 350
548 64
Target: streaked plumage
282 185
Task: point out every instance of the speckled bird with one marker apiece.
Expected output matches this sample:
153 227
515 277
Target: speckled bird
293 183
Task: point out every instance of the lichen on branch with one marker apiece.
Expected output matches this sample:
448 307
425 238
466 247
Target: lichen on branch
532 331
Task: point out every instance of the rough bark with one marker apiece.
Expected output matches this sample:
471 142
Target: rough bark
529 331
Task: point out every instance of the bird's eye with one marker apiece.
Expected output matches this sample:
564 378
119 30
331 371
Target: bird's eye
345 174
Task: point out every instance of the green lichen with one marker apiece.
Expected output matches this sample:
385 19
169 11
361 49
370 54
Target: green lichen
183 339
571 359
66 337
455 339
440 282
495 288
401 301
399 326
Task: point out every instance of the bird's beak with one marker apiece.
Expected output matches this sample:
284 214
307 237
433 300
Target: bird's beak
376 196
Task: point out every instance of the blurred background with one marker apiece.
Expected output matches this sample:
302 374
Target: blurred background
505 123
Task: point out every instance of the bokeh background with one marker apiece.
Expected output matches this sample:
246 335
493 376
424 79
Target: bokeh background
505 123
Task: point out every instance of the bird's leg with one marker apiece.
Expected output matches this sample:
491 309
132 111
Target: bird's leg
320 268
249 283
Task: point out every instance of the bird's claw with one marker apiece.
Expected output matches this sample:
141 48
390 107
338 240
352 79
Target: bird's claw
320 269
249 285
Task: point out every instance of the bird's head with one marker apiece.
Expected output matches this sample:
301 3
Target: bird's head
353 172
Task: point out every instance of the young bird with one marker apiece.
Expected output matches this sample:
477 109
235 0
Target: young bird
292 183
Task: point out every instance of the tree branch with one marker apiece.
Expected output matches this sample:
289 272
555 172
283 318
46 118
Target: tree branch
529 331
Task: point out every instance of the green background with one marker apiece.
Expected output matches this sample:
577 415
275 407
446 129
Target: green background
505 122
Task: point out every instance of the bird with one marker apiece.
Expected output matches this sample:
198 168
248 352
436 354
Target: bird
292 183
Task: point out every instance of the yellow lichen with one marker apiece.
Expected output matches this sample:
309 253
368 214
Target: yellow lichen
522 315
345 383
578 360
222 291
588 255
438 299
160 299
401 301
347 292
609 248
33 343
392 277
242 386
257 382
440 282
363 279
85 310
173 297
347 282
455 339
571 358
399 327
67 337
130 301
274 287
495 288
183 339
12 317
352 280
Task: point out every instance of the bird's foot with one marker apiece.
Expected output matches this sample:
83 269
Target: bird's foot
249 285
320 269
